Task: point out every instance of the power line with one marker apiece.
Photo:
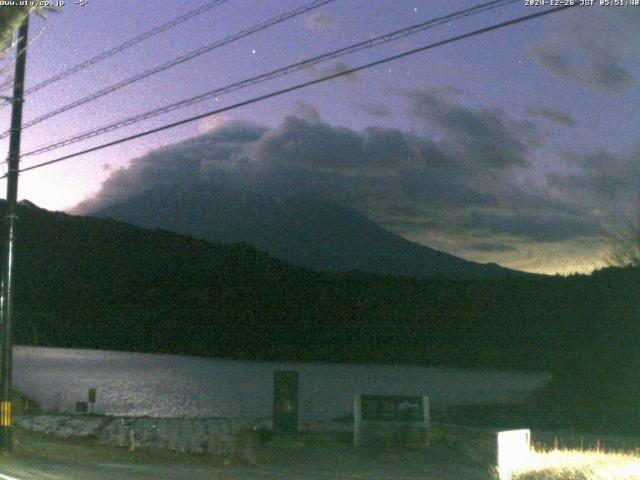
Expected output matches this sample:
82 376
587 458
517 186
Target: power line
303 85
177 61
124 46
373 42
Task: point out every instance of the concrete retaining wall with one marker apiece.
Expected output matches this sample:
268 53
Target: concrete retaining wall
216 436
221 437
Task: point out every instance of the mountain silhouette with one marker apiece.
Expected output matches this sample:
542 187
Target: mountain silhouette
302 231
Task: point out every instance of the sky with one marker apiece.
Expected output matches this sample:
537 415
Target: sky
520 146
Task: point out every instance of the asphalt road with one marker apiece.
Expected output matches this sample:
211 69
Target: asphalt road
48 470
60 470
38 457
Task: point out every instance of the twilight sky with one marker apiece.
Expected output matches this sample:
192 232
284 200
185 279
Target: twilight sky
519 147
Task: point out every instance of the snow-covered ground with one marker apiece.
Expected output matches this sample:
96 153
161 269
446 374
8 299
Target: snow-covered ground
172 386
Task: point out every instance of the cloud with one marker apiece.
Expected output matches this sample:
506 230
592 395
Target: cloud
333 69
491 247
602 182
212 122
374 109
611 76
546 227
554 60
604 69
320 22
592 49
365 169
439 188
223 150
483 136
319 146
556 116
467 182
306 111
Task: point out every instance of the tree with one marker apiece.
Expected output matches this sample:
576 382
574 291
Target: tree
10 18
625 247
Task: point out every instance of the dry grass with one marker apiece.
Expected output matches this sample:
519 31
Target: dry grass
580 465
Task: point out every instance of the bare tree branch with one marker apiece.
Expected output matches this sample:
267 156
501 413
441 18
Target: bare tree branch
625 247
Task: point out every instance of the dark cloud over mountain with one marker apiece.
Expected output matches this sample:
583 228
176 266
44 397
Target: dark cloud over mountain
540 227
485 137
491 247
603 179
468 182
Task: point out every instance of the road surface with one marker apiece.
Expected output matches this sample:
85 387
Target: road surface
37 457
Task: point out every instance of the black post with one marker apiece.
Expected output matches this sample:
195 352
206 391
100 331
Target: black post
6 295
285 405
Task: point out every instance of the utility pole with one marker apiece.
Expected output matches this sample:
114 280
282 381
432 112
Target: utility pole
6 293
